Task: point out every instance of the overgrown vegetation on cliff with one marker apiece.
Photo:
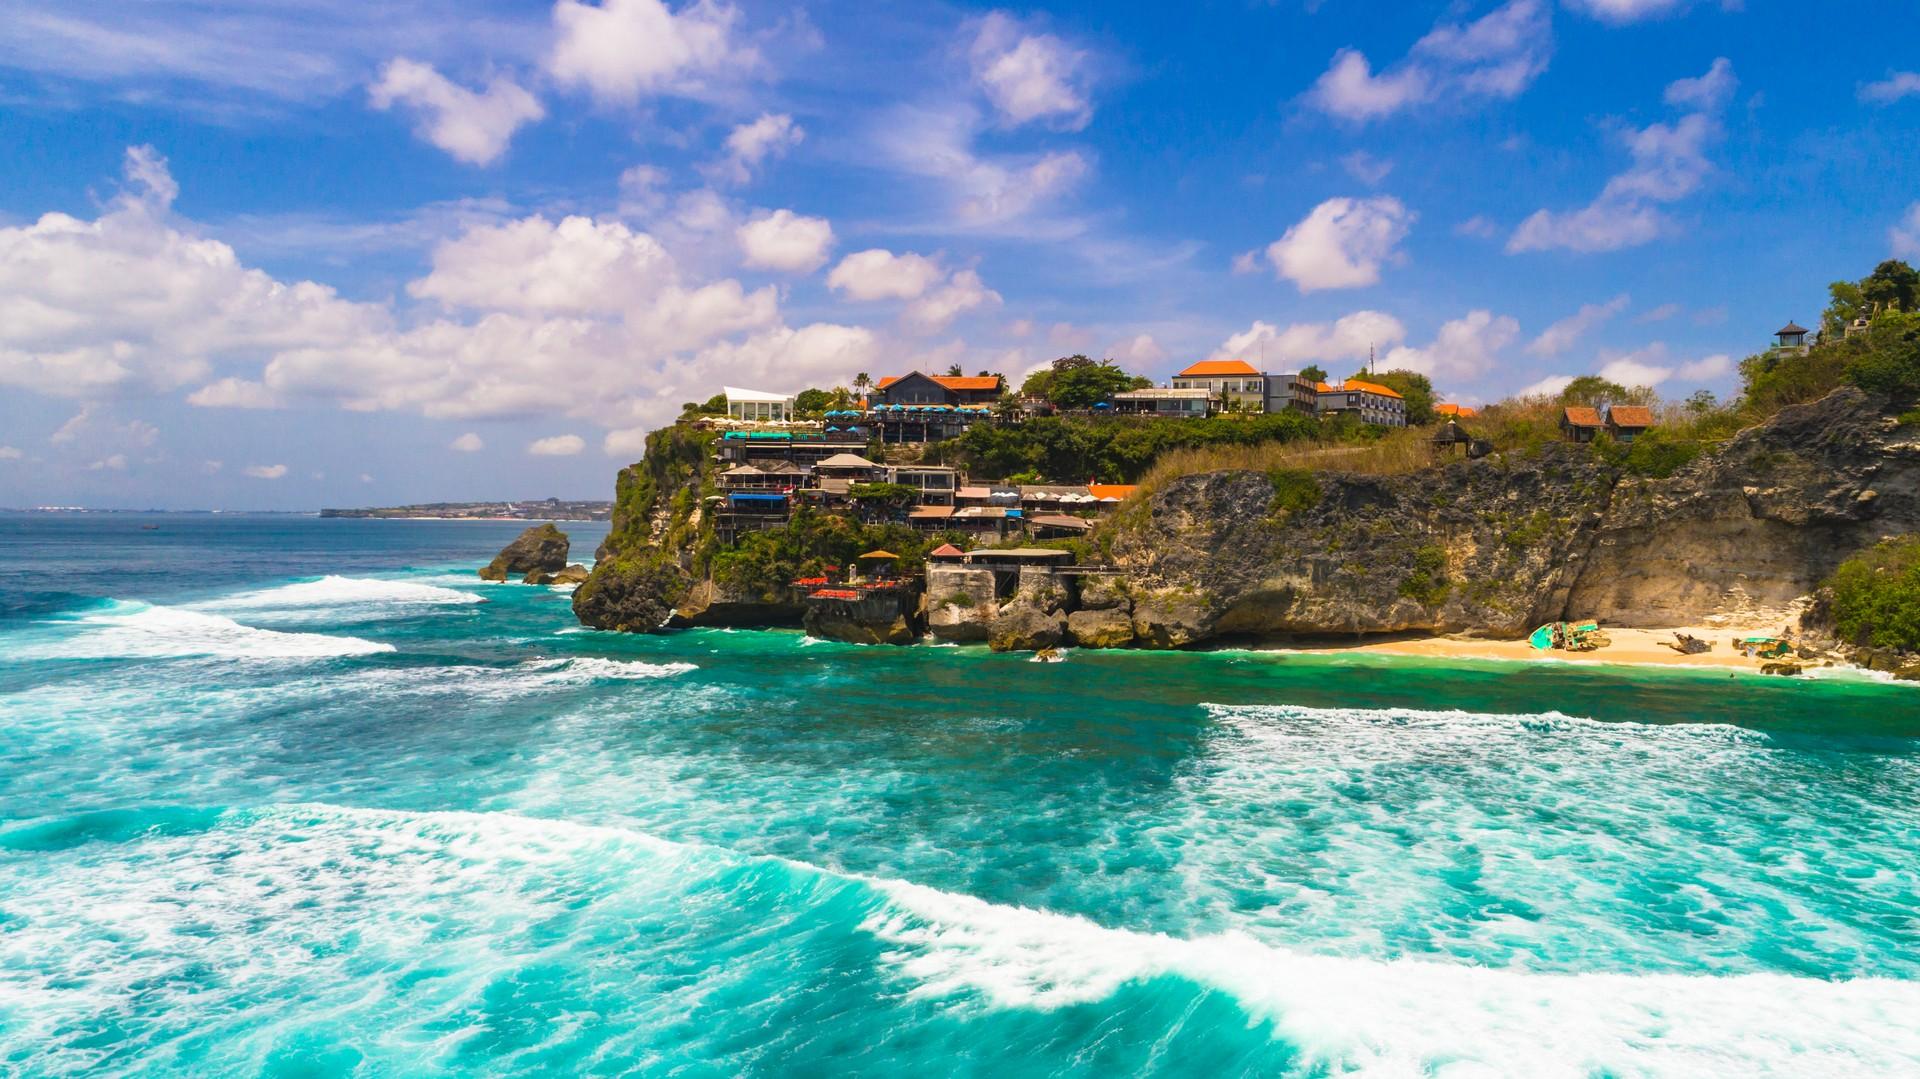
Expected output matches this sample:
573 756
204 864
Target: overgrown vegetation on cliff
765 563
1876 596
1116 449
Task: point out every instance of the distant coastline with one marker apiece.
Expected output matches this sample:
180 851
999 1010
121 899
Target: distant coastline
549 509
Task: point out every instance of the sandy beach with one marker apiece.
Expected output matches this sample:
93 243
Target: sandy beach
1637 645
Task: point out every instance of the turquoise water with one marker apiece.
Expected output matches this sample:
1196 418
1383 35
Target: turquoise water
298 797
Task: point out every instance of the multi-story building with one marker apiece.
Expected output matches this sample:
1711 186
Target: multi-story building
1234 382
915 388
1369 402
1163 401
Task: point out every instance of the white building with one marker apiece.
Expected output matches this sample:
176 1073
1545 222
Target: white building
759 405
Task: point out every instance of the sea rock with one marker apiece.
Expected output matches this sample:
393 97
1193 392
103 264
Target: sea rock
1107 628
1788 669
1104 592
712 604
632 595
1909 672
540 549
1022 626
959 603
573 574
832 626
1171 618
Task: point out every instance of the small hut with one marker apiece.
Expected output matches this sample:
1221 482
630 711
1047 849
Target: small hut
1579 423
947 552
880 564
1450 437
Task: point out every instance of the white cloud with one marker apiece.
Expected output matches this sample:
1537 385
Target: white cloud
641 191
234 393
265 472
1661 313
628 444
1707 93
1565 333
751 144
1549 386
1494 57
1342 243
1366 168
963 292
365 478
577 265
623 49
92 427
1669 163
1464 347
1897 85
10 453
212 468
1642 367
986 191
784 240
1246 262
557 446
1136 353
1030 76
879 274
473 127
114 463
1621 12
1905 236
1705 368
468 443
1348 339
784 360
129 304
1479 226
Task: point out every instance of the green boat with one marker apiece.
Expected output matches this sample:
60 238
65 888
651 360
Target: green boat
1572 637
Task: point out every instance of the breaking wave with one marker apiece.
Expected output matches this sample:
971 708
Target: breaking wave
134 630
334 593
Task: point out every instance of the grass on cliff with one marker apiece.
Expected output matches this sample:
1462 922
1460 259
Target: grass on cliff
1394 453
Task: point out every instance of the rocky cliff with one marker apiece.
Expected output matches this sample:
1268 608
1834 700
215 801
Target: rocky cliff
1500 545
1491 547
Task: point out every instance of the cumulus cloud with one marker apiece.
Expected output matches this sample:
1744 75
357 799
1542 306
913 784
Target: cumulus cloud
628 444
1494 57
1136 353
113 463
468 443
576 265
1905 236
10 453
1647 366
1030 76
1464 347
1621 12
1565 333
1347 339
1549 386
234 393
1718 365
557 446
473 127
1342 243
784 240
879 274
963 292
1669 163
622 50
1896 85
751 144
265 472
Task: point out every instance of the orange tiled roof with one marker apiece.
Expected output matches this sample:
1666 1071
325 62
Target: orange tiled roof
1630 416
1462 411
1218 368
1111 490
956 383
1354 384
1583 417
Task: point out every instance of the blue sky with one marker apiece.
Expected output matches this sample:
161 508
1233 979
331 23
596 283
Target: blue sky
286 253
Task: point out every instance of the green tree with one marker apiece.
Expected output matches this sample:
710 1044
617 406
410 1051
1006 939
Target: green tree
1313 372
1083 386
1701 402
813 401
1893 285
1876 596
1594 392
955 371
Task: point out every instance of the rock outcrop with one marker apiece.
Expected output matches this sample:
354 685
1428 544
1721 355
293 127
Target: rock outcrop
572 574
540 549
960 603
710 603
1034 617
831 625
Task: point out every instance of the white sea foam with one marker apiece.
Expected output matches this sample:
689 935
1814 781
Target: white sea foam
1353 1016
595 669
334 593
144 631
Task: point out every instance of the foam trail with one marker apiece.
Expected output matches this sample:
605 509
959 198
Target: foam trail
1353 1016
335 592
144 631
595 669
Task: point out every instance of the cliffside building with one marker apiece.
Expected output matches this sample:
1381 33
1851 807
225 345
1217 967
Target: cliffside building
759 406
954 391
1628 422
1369 402
1791 340
1164 401
1579 423
1234 382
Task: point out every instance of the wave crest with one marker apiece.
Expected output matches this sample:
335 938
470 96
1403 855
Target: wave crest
133 630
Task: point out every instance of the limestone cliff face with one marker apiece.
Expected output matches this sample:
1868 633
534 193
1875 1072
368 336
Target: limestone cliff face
1496 547
1758 524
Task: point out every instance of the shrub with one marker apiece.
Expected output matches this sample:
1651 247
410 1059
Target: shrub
1294 491
1428 584
1876 596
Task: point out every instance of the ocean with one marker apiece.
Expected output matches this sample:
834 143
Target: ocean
298 797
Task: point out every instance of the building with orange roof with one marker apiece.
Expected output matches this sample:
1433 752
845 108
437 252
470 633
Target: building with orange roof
1234 382
1628 422
1579 423
1457 412
1369 402
915 388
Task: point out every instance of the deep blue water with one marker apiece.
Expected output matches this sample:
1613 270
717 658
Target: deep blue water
301 797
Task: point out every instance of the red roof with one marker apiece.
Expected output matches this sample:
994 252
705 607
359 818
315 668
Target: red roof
946 550
1354 385
1111 490
1630 416
1218 368
1579 416
1462 411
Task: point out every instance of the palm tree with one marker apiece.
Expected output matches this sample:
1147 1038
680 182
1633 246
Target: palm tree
862 382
